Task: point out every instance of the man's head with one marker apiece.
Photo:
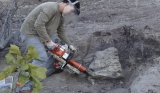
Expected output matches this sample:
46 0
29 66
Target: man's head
72 6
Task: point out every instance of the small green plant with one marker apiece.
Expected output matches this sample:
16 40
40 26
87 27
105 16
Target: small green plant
23 65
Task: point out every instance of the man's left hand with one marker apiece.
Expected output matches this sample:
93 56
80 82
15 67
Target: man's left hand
73 48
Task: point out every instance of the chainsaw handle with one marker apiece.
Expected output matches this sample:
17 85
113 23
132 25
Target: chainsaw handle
73 52
69 58
71 55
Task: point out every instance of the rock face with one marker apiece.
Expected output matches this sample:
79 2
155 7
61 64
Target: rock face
106 64
148 82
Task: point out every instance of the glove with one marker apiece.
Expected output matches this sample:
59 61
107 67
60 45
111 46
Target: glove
73 48
51 45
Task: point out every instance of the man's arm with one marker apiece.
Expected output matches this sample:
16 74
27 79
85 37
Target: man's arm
39 25
62 34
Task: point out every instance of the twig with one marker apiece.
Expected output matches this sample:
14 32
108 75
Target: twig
4 25
8 25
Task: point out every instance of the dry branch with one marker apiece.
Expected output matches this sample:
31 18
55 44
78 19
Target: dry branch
12 15
6 32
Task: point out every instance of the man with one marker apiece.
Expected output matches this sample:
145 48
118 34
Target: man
39 27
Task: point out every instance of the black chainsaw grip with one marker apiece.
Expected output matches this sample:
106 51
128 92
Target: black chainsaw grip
69 58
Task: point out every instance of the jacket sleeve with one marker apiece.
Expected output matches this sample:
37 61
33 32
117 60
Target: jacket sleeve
40 23
62 34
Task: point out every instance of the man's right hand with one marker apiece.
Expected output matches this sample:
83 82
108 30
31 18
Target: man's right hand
51 45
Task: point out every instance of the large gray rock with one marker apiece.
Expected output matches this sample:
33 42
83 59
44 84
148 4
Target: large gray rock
147 81
106 64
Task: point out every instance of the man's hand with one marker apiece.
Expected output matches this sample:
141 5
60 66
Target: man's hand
73 48
51 45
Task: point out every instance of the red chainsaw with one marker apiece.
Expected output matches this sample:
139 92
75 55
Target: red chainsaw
64 58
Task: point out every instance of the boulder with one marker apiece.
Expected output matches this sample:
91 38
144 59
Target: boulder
106 64
147 81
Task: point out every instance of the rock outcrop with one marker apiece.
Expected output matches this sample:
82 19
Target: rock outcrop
106 64
147 80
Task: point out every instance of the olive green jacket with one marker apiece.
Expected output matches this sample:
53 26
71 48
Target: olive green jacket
43 21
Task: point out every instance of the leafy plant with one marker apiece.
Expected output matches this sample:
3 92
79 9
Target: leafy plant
23 65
